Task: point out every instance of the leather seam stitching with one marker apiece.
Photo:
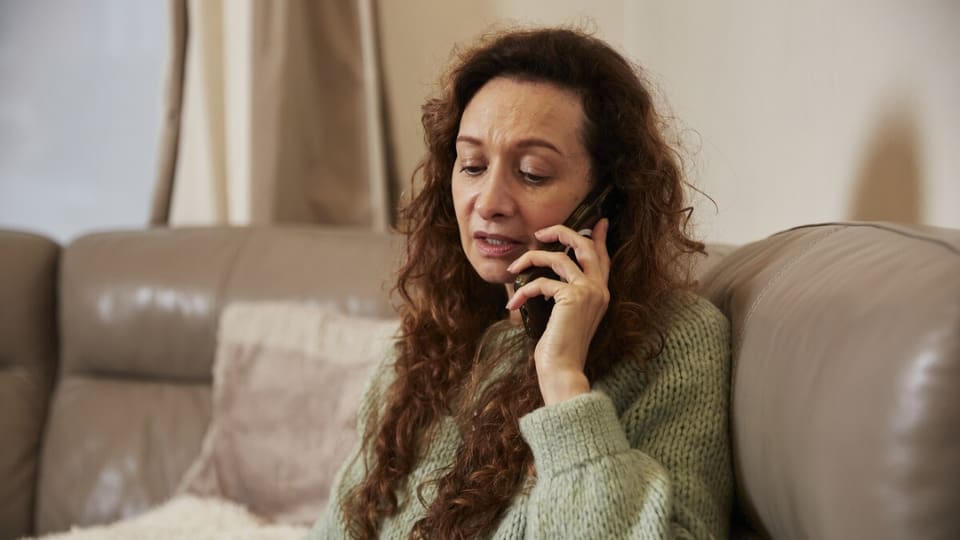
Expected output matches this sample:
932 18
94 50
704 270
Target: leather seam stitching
776 279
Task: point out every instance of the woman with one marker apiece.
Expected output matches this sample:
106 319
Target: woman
613 423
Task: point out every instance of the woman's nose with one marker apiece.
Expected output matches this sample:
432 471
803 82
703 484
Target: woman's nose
495 198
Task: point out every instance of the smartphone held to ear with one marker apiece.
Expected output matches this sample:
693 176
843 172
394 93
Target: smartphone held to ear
535 312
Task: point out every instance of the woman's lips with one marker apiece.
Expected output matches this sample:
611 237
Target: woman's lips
497 246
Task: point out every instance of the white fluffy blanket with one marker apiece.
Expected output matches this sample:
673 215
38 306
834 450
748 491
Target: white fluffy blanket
188 517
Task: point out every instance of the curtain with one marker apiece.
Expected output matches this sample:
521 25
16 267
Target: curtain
274 113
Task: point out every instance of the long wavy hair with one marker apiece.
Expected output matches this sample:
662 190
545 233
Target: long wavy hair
447 307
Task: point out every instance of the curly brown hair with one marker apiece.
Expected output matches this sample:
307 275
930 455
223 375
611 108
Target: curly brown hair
447 308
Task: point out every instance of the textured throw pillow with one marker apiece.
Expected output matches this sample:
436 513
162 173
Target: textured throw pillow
287 380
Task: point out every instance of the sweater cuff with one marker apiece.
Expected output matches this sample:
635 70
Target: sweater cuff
579 430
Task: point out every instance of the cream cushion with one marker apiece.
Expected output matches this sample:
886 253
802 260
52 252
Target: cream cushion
286 385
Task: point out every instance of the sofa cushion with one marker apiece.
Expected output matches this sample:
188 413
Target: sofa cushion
846 347
28 351
116 447
286 385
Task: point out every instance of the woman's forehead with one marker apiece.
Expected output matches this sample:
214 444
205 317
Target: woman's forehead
512 111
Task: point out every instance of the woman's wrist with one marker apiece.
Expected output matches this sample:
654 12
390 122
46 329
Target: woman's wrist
557 387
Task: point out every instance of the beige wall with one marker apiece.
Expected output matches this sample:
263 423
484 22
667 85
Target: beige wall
790 112
812 111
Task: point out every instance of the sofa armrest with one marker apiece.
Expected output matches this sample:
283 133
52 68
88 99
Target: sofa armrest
28 351
846 350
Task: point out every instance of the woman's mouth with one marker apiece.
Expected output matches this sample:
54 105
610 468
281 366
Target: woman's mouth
497 246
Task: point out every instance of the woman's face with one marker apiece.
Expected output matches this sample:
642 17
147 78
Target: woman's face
521 166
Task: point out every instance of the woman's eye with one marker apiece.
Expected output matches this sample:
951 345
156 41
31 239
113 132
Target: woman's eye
534 178
471 170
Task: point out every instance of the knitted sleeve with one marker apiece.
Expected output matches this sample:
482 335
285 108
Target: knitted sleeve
646 453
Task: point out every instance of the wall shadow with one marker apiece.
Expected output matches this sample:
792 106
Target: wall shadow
889 182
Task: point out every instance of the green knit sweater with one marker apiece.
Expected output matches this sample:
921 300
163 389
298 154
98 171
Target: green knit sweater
645 454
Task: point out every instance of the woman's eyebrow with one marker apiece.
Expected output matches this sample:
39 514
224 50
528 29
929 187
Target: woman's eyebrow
469 140
522 143
533 141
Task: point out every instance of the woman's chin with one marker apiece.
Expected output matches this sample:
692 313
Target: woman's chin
495 273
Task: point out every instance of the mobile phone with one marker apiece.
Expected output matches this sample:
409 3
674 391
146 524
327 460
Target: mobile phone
535 312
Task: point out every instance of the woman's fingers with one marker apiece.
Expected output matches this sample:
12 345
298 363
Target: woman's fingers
558 261
600 232
591 253
582 246
538 287
584 292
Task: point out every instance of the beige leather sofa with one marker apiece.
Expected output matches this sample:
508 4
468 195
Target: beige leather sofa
846 391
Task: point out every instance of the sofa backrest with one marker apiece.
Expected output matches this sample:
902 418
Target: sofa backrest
28 350
138 320
845 407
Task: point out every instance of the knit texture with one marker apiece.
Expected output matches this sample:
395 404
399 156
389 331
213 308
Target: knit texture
645 454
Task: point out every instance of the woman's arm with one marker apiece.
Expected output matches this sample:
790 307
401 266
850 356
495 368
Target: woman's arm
646 453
